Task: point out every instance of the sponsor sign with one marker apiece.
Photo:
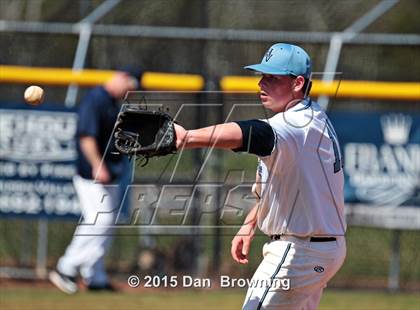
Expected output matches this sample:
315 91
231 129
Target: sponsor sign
37 161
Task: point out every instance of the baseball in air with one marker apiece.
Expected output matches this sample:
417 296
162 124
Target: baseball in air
34 95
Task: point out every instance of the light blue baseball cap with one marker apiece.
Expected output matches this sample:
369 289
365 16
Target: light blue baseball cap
284 59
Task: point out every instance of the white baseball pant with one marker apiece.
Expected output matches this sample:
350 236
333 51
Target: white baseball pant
85 254
294 273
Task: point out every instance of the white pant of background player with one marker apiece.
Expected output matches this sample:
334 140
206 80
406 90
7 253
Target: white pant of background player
308 266
92 238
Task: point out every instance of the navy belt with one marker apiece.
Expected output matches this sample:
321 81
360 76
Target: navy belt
313 239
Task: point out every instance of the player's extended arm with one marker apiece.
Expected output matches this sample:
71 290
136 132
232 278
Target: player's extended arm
90 149
227 136
242 241
251 136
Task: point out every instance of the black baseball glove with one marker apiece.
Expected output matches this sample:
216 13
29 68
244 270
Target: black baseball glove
144 133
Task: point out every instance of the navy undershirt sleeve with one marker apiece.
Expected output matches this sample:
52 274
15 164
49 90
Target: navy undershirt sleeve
257 137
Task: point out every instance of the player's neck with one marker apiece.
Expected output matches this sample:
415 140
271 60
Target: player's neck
294 101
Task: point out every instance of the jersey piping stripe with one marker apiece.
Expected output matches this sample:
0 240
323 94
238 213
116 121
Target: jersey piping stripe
274 275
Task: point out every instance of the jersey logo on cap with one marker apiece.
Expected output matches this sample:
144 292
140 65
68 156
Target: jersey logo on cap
268 55
319 269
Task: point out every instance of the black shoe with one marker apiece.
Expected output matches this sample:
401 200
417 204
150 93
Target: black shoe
65 283
102 288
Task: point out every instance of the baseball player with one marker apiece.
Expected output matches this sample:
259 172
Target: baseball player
100 184
299 185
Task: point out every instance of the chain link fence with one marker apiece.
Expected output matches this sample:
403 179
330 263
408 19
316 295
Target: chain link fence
307 22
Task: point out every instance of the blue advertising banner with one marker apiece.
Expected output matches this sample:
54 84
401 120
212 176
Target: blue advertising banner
381 157
37 160
381 167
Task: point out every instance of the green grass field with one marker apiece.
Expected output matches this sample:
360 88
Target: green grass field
49 298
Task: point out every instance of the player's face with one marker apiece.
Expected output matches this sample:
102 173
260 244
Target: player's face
122 83
276 92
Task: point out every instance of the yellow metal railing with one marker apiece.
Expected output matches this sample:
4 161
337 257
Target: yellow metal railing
348 89
193 82
88 77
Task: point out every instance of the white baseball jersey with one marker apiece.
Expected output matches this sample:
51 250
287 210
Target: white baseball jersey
302 179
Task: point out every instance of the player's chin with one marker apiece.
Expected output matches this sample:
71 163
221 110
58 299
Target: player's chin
268 104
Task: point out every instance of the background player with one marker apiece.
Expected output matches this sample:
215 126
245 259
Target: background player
98 168
301 188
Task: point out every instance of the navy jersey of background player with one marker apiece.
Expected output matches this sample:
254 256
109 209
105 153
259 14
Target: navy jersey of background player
98 112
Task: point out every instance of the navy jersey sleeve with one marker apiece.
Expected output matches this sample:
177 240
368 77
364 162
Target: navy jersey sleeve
257 137
88 124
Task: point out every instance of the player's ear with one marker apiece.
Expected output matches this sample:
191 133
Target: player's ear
298 83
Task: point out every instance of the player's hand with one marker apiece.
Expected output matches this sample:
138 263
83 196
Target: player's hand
241 244
101 174
181 135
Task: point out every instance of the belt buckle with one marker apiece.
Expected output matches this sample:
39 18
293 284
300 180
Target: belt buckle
275 237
